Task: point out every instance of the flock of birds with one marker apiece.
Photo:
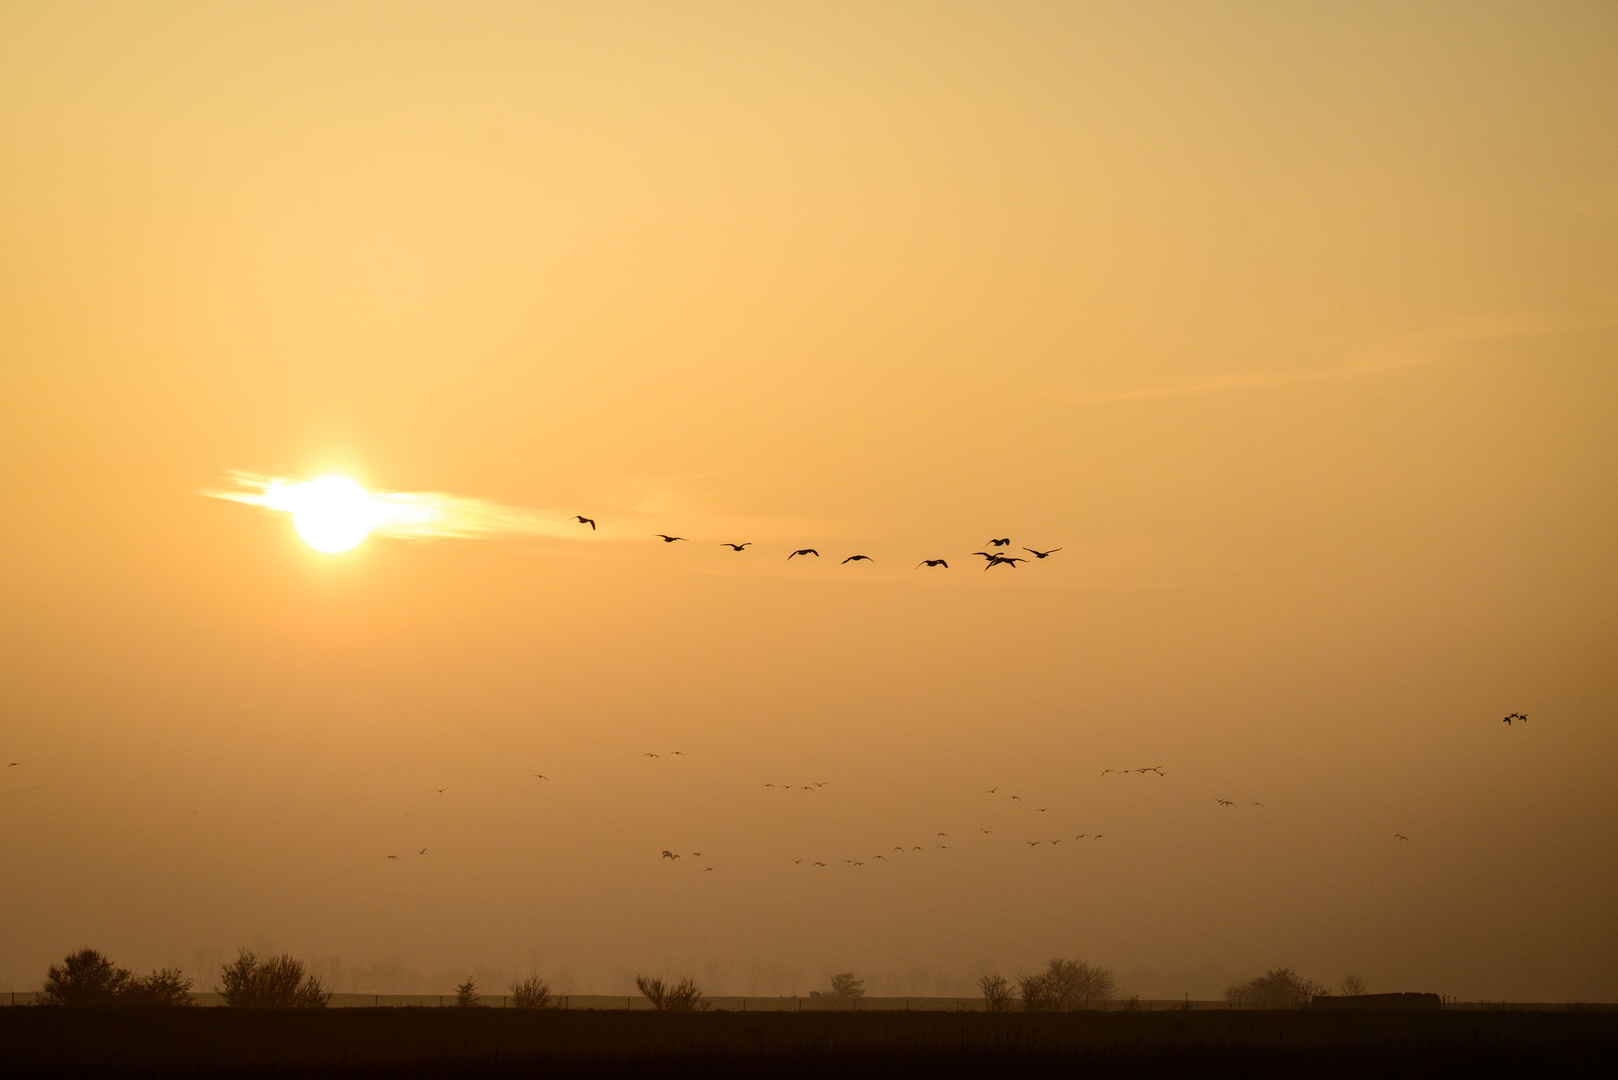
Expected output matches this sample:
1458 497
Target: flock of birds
993 558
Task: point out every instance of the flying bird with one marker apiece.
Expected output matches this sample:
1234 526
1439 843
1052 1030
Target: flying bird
1400 836
738 547
14 764
1003 560
440 790
669 855
696 854
803 551
541 776
1016 798
819 864
986 832
1104 772
1043 809
945 835
1258 804
707 869
1097 836
932 562
1042 554
795 862
1000 543
423 851
1032 843
648 755
582 520
1515 716
1224 802
986 555
1055 842
856 558
992 790
395 858
666 538
676 753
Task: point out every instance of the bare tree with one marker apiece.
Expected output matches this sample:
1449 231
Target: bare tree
278 982
845 987
1066 985
1035 992
1352 986
1281 988
466 995
531 993
164 987
86 979
683 996
997 996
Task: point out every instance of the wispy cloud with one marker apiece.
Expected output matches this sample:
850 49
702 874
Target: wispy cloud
1413 350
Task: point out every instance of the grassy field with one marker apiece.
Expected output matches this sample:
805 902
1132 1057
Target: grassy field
489 1042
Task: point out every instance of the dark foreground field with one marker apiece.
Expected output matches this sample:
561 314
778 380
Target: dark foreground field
486 1042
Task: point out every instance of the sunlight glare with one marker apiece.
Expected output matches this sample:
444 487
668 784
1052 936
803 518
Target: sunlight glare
332 513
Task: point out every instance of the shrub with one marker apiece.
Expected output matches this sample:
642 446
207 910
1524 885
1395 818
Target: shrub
276 983
466 995
161 988
531 993
683 996
1281 988
1066 985
997 995
845 987
1352 986
86 979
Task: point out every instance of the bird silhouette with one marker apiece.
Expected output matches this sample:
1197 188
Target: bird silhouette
395 858
803 551
819 864
696 854
676 753
666 538
820 783
900 850
987 555
1000 543
669 855
423 851
986 832
1055 842
945 835
856 558
1043 809
992 790
648 755
14 764
541 776
1104 772
1400 836
1042 554
738 547
916 848
441 790
1097 836
1258 804
1016 798
1224 802
795 862
1515 716
859 864
582 520
884 858
707 869
932 562
1032 843
1082 836
1003 560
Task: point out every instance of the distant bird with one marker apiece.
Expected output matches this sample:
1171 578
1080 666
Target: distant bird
769 785
395 858
819 864
795 862
1042 554
541 776
1097 836
582 520
1055 842
1043 809
932 562
884 858
1258 804
916 848
1158 769
1082 836
707 869
648 755
987 555
856 558
666 538
440 790
675 753
900 850
803 551
820 783
1224 802
1000 543
738 547
696 854
945 835
943 847
1515 716
1032 843
859 864
1003 560
1400 836
991 791
1016 798
423 851
806 787
669 855
14 764
986 832
1104 772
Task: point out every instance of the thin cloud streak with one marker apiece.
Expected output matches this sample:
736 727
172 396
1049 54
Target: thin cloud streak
1413 351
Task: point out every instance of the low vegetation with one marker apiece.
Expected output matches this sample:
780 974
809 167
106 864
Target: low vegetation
845 987
532 993
683 996
276 982
1352 986
467 996
997 995
88 979
1065 985
1281 988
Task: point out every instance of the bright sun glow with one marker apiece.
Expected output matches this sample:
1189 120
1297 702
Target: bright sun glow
332 513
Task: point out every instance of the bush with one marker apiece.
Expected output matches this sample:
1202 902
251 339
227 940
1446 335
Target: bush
161 988
276 983
683 996
1281 988
531 993
845 987
86 980
1352 986
1066 985
997 995
466 995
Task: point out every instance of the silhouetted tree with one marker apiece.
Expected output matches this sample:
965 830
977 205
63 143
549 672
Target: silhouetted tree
845 987
1066 985
86 979
1281 988
275 983
1352 986
466 995
997 994
531 993
683 996
164 987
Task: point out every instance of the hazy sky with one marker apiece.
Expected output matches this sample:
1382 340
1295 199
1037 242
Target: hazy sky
1293 326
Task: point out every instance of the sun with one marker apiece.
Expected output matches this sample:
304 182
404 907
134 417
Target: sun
332 513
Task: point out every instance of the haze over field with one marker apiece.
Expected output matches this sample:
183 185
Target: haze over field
1294 329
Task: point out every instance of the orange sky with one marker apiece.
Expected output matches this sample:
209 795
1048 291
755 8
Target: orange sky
1293 328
